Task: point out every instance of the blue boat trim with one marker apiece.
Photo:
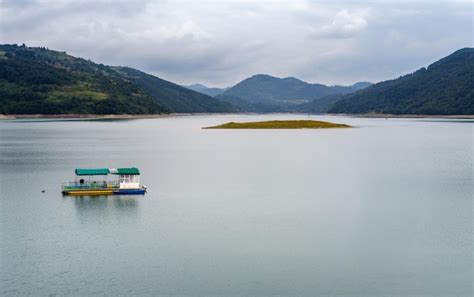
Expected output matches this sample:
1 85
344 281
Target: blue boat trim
129 192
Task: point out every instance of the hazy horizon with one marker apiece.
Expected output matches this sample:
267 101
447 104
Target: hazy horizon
218 44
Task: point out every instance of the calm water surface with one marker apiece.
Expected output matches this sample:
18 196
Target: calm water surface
384 209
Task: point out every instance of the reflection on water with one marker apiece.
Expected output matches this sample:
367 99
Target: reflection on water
106 207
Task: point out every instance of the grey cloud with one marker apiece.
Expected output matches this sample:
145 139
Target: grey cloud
221 42
345 24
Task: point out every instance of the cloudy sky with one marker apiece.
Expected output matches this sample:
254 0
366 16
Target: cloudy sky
219 43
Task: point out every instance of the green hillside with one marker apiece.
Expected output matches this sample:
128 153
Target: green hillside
175 98
42 81
265 88
446 87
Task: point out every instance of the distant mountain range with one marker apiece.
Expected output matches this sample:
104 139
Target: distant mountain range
263 88
42 81
206 90
446 87
265 93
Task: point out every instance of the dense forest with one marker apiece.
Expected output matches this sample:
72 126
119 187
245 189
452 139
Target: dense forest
42 81
446 87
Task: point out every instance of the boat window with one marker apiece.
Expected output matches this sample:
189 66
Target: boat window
127 178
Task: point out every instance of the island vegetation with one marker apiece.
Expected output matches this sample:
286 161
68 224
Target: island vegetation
294 124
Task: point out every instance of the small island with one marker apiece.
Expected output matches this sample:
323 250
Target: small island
295 124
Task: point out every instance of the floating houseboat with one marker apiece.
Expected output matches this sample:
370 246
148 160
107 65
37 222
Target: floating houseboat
105 181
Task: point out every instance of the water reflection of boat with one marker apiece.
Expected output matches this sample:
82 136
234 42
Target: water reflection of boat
116 209
105 181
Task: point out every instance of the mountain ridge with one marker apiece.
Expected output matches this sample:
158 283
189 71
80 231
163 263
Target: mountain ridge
35 80
266 93
267 88
445 87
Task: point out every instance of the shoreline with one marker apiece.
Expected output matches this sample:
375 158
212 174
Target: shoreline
403 116
154 116
81 116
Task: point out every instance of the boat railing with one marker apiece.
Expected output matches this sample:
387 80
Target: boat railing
91 185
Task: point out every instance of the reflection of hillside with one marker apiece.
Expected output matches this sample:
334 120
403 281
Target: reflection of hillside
98 208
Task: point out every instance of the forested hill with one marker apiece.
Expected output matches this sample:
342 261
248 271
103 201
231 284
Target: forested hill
446 87
173 97
264 88
265 93
42 81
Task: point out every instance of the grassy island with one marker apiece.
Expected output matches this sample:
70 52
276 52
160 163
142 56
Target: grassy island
298 124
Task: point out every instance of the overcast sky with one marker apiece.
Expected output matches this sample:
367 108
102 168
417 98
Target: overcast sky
219 43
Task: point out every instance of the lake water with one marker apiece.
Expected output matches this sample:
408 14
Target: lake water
384 209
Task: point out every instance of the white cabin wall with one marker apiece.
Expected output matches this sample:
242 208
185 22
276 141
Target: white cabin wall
131 182
129 185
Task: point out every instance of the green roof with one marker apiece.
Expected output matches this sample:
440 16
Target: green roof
129 171
93 171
